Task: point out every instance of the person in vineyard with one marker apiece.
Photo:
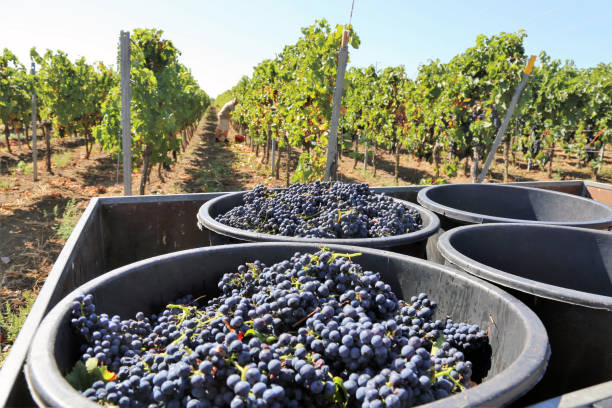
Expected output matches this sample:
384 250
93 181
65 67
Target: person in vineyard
224 117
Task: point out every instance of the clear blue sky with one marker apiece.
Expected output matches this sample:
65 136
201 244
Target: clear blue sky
223 40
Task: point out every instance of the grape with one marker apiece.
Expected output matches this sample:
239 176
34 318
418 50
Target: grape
258 389
322 210
242 388
232 380
282 335
252 375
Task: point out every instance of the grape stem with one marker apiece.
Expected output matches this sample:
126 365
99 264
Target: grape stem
338 255
343 213
447 373
296 324
242 370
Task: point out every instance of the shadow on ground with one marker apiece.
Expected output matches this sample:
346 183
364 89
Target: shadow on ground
102 172
211 167
26 241
407 175
9 161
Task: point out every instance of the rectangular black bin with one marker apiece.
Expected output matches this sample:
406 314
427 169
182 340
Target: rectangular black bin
115 231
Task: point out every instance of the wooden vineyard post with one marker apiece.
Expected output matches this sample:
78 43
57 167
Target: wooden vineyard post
365 156
273 158
374 149
602 155
552 156
355 149
266 155
331 165
506 156
288 161
500 133
34 115
278 161
126 100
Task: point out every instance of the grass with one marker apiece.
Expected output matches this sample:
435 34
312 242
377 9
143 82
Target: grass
25 168
15 136
605 172
210 179
69 219
64 224
367 174
62 159
6 183
11 320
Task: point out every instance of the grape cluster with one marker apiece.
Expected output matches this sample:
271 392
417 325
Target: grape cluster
315 330
535 147
322 210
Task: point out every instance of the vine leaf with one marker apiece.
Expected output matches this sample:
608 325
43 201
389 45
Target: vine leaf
340 397
437 345
83 375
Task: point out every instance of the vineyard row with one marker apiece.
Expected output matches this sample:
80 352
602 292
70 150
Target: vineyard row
449 112
85 99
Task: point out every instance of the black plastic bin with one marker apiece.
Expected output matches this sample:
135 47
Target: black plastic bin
519 341
596 396
466 204
564 275
413 243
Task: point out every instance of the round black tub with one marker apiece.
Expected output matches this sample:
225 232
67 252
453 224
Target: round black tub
466 204
412 243
564 275
519 342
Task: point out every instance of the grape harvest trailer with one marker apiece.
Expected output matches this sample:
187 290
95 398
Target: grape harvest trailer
115 231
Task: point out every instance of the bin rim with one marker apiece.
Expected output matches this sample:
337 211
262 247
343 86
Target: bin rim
515 380
430 221
510 280
476 218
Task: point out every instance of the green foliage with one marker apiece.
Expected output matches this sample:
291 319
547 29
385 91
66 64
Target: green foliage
430 181
550 105
456 106
12 319
289 98
15 86
83 375
376 102
226 96
478 87
426 110
6 183
24 168
62 159
166 99
69 219
566 107
448 105
71 94
449 169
